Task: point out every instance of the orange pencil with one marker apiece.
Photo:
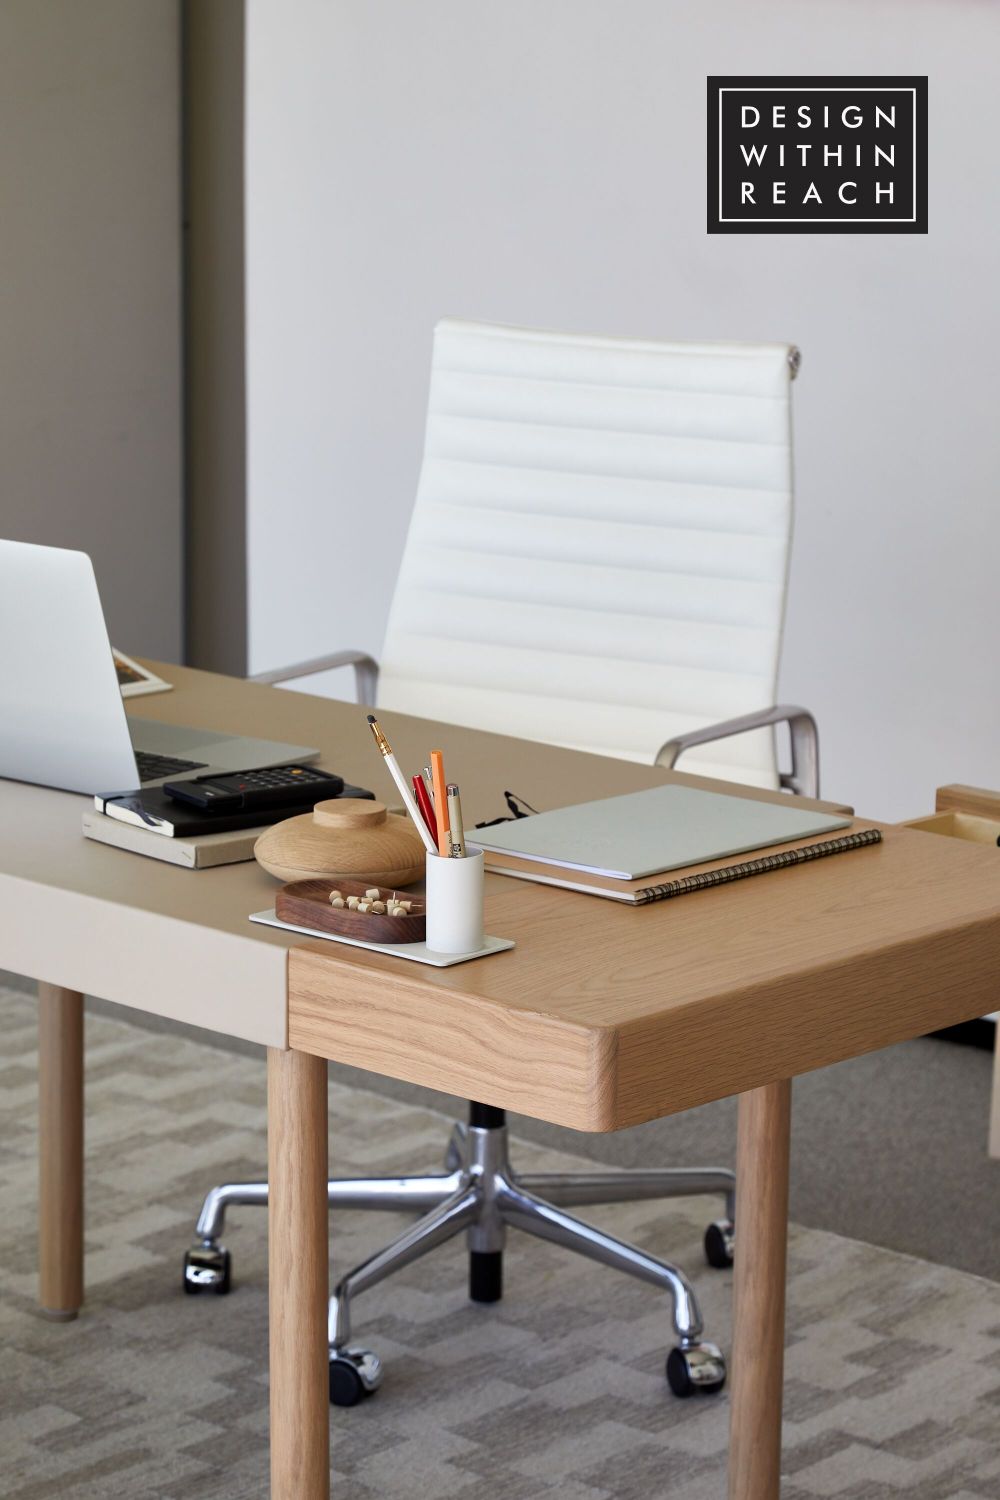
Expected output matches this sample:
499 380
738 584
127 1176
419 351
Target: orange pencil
440 803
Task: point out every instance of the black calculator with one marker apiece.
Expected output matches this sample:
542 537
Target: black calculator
257 791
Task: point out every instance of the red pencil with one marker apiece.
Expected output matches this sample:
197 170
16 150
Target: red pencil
424 803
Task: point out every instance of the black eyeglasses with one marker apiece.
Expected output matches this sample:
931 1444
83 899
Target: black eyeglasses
518 809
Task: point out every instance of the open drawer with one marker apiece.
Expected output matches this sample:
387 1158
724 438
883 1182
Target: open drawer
963 812
960 825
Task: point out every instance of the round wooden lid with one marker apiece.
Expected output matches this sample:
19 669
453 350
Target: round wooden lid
349 812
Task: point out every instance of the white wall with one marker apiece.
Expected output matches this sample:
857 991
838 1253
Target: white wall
544 164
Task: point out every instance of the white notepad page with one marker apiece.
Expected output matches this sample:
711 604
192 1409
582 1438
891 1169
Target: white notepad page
647 833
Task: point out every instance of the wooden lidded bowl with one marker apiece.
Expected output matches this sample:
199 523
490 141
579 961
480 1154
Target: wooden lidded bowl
346 836
306 903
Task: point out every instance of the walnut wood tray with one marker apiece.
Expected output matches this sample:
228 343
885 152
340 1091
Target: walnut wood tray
306 903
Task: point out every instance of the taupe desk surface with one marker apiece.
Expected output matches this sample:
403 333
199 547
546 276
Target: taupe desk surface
602 1016
97 919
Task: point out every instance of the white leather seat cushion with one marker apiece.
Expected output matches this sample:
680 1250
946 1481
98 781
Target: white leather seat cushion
599 547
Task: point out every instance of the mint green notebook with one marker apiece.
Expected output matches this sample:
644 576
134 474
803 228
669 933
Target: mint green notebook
646 833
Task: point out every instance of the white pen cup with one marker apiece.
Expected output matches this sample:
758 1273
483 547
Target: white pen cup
455 903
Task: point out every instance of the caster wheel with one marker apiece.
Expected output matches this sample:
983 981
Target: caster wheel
207 1268
720 1241
696 1367
354 1374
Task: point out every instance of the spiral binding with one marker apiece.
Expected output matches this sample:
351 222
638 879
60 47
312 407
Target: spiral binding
761 866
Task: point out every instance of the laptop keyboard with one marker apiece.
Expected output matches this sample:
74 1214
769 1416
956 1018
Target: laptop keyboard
152 766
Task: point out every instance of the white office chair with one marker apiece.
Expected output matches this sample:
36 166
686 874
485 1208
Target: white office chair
598 558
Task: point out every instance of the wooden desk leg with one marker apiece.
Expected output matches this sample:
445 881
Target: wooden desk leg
759 1292
298 1278
60 1151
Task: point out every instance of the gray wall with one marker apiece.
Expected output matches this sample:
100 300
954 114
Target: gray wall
545 164
214 404
90 387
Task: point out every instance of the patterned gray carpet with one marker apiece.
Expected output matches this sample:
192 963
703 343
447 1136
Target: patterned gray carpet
893 1368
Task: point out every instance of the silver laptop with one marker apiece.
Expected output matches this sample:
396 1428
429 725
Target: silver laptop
62 720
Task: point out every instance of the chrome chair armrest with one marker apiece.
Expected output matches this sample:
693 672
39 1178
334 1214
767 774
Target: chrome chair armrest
365 671
802 779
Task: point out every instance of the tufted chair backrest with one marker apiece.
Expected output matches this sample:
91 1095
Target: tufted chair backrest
598 554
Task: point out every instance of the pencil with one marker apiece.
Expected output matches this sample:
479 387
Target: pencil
392 765
440 803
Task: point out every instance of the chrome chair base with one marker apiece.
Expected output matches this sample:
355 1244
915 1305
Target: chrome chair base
480 1194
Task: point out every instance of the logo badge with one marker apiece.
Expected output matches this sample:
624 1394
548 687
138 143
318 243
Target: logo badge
817 156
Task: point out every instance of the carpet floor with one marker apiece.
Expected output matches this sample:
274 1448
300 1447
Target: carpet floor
889 1148
893 1364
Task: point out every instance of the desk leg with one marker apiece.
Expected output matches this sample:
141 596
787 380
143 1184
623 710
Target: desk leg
298 1278
60 1151
759 1292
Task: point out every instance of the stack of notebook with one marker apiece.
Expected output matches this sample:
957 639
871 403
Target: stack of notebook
616 847
196 852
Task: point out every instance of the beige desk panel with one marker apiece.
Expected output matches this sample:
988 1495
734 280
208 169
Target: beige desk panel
156 963
167 940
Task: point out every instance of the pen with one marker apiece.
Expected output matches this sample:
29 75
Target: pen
456 836
392 765
426 806
440 803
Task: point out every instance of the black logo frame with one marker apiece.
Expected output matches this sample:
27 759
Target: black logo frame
754 221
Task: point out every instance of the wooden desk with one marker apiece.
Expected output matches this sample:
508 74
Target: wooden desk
601 1016
605 1016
